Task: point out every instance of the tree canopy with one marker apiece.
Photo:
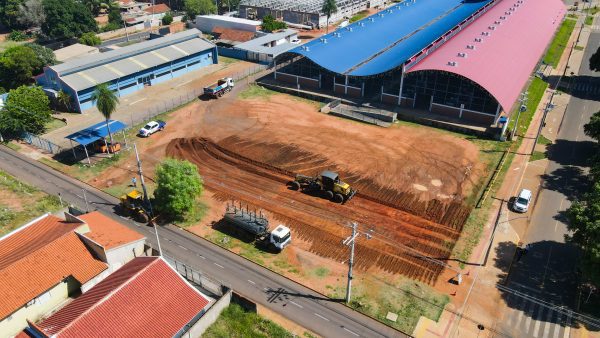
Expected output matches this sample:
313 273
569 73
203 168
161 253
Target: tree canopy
10 14
45 56
595 61
90 39
31 13
198 7
18 65
26 109
178 186
67 19
269 24
106 100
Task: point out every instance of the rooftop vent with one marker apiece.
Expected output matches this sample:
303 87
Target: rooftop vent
512 9
478 40
485 33
306 48
381 15
323 40
362 24
372 19
452 63
492 28
507 13
470 46
337 35
389 11
349 29
502 18
497 22
462 55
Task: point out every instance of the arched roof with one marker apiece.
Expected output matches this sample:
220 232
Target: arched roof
507 54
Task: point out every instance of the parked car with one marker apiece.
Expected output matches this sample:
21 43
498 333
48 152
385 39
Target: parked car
295 41
522 201
152 127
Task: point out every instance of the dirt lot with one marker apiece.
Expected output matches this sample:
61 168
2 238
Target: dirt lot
246 150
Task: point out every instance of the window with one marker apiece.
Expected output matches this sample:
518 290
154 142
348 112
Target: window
128 86
178 68
162 74
193 63
85 100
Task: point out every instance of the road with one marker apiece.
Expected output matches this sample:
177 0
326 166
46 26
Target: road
548 271
132 37
307 308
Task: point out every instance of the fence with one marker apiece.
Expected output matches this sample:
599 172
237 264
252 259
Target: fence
41 143
215 287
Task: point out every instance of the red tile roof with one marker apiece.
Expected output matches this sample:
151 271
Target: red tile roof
108 233
144 298
233 34
157 9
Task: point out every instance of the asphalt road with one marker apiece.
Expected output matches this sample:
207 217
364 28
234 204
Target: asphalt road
548 271
307 308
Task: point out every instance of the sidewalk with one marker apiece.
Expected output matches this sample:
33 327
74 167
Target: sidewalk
483 302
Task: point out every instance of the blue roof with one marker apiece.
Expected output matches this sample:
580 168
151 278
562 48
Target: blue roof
96 132
380 43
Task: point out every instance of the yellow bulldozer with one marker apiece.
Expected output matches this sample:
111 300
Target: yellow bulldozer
133 203
328 183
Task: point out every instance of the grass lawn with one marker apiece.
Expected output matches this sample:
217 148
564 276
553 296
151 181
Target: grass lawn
537 155
359 16
535 92
559 43
543 140
589 20
20 203
255 91
235 322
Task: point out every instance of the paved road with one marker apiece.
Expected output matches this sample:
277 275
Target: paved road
323 316
548 271
132 37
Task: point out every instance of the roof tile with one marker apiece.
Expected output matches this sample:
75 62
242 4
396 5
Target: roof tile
107 232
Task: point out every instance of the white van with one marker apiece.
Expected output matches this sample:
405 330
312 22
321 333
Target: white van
523 200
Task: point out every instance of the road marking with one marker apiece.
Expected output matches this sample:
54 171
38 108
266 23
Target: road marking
318 315
219 265
181 246
182 84
536 326
528 316
134 102
298 305
251 282
354 333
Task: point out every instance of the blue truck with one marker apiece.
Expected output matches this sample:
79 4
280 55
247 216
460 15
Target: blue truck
219 88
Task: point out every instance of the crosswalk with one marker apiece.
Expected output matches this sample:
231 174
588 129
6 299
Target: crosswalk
595 27
528 318
590 88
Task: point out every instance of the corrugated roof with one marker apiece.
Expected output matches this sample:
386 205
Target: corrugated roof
108 233
257 45
384 41
108 71
96 132
144 298
503 61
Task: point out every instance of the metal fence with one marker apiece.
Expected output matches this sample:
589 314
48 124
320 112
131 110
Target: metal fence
207 283
42 143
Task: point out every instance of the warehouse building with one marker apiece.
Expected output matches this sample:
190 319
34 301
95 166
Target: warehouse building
303 12
130 68
465 59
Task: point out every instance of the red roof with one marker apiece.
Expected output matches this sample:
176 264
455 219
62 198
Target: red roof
144 298
157 9
108 233
233 34
504 60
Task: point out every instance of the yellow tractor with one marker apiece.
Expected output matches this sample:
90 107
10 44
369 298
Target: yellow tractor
133 203
328 183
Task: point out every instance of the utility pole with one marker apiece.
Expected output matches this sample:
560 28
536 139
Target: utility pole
146 199
87 208
350 242
522 108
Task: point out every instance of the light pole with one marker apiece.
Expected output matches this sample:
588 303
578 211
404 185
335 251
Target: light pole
146 199
522 108
350 241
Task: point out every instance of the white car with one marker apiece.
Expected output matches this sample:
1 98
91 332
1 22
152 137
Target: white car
522 201
152 127
295 41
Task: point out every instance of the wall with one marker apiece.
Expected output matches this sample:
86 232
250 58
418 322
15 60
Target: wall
118 257
208 318
43 304
121 31
206 25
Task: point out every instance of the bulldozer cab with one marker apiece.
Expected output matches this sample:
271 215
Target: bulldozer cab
329 179
132 199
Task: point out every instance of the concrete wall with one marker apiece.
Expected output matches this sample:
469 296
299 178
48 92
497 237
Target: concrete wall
209 317
207 24
39 306
118 257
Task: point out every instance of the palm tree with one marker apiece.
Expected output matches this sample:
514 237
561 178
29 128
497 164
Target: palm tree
329 7
106 100
65 99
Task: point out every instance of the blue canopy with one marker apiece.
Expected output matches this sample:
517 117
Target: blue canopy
96 132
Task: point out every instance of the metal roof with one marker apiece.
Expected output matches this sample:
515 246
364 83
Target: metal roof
96 132
503 61
124 66
258 45
384 41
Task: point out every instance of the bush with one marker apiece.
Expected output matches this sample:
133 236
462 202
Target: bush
178 185
111 26
167 19
269 24
17 36
90 39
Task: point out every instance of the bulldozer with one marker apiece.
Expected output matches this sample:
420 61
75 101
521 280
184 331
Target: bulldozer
328 183
133 203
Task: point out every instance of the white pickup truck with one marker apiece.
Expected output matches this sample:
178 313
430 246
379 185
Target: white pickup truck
152 127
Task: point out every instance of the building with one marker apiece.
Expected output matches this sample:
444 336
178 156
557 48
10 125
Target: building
50 259
303 12
130 68
208 23
157 12
145 298
267 46
466 60
73 51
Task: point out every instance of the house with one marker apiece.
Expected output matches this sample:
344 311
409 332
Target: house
157 12
145 298
50 259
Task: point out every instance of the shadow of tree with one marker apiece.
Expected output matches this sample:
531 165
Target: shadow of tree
580 86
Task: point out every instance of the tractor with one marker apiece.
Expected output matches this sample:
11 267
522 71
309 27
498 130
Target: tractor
328 183
133 203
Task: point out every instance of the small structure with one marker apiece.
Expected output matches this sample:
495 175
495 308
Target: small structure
207 23
157 12
94 133
50 259
145 298
74 51
264 48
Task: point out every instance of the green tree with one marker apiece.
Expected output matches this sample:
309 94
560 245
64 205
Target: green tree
595 61
67 19
198 7
114 15
26 109
64 99
329 7
178 186
18 64
90 39
592 128
106 100
10 13
31 13
45 55
167 19
269 24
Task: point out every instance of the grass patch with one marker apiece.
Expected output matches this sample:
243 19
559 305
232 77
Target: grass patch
255 91
535 92
227 60
193 216
235 322
12 145
559 43
33 203
572 16
359 16
54 124
321 272
579 48
592 10
589 20
543 140
537 155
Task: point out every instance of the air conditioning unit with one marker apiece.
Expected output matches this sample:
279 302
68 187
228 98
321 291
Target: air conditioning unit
470 46
452 63
507 13
485 33
462 55
478 40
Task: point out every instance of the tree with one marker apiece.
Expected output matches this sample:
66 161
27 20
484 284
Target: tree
90 39
329 7
269 24
26 109
595 61
167 19
31 13
67 19
114 15
64 99
592 128
9 13
18 64
178 186
199 7
106 100
45 55
94 6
